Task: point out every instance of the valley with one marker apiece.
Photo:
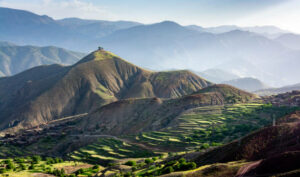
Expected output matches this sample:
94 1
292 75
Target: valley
85 97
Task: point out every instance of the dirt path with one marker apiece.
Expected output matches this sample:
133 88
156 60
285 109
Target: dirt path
246 168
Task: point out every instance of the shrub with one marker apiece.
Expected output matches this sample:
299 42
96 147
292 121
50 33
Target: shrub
204 146
95 167
188 166
31 167
182 160
23 166
167 170
154 158
131 163
36 159
80 171
148 161
2 170
10 165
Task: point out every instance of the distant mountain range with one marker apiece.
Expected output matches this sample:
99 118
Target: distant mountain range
217 75
268 31
23 27
249 84
259 52
15 59
274 91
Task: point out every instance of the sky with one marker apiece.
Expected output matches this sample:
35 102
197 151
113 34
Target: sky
282 13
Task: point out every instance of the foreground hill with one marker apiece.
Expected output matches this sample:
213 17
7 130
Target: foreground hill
248 84
134 116
15 59
49 92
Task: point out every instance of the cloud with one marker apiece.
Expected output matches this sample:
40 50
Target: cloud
61 8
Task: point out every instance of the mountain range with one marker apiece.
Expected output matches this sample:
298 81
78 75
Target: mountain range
166 45
15 59
274 91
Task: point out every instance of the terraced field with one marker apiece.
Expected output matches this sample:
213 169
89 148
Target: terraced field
212 126
197 129
109 149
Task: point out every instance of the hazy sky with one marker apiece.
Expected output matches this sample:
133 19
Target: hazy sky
281 13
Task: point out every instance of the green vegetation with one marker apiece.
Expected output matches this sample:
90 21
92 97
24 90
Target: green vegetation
31 166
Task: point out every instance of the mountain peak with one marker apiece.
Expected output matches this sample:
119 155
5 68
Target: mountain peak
99 55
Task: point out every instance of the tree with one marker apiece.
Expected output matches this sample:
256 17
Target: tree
167 170
10 165
148 161
131 163
23 166
36 159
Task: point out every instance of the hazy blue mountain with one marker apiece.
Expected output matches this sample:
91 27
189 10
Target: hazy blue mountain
248 84
168 45
290 40
95 28
217 75
15 59
274 91
24 27
163 45
269 31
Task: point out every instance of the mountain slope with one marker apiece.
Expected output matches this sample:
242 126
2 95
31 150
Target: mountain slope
248 84
45 93
15 59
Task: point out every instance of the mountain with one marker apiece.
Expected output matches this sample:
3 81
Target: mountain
25 28
248 84
15 59
274 91
290 40
164 45
46 93
217 75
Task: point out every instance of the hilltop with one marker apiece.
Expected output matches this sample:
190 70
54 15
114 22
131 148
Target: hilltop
46 93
